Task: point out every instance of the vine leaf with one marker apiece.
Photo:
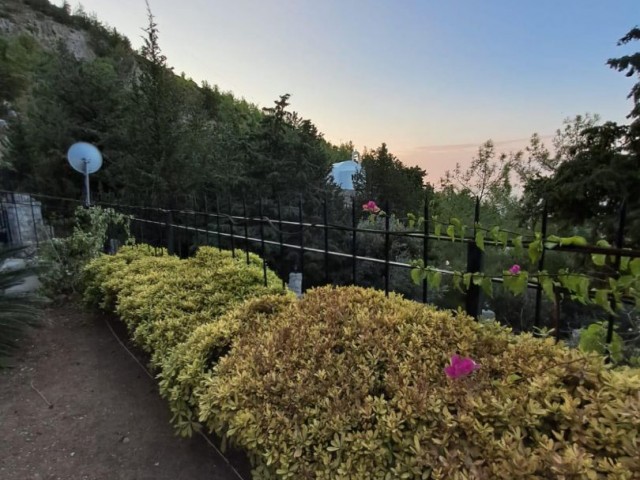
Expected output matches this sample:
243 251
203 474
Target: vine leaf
535 249
451 232
600 259
602 299
547 286
434 278
457 281
487 287
634 267
517 242
417 275
480 239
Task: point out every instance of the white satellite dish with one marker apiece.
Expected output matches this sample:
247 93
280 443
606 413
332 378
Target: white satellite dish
86 159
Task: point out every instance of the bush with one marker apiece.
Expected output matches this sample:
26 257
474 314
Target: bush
102 277
65 258
183 370
162 299
349 384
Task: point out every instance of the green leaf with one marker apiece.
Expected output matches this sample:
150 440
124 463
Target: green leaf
575 240
624 264
437 229
547 286
480 239
514 377
476 278
451 232
634 267
516 284
535 250
487 287
467 280
598 259
417 275
517 243
494 232
552 241
503 238
602 299
457 281
434 279
411 220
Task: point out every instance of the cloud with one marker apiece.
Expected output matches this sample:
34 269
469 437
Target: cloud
463 147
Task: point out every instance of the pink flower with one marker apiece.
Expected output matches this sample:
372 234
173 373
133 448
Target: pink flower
371 207
515 269
460 367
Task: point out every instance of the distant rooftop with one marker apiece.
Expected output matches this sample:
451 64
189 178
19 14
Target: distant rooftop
342 172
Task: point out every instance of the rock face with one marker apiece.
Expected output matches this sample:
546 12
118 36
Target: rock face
17 18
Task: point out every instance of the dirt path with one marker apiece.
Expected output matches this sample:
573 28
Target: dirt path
106 421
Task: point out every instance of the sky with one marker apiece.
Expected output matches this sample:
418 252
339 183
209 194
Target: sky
432 79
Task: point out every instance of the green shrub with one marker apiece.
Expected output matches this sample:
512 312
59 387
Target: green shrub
184 369
349 384
66 258
162 299
594 339
100 277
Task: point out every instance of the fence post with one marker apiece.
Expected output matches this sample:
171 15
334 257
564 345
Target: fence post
619 244
170 232
206 220
326 241
233 243
425 246
536 319
246 228
354 224
474 264
280 238
262 248
301 242
218 222
33 219
17 218
387 246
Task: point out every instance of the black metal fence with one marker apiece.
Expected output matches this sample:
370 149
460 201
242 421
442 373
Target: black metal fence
325 242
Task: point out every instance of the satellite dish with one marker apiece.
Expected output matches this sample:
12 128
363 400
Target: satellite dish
86 159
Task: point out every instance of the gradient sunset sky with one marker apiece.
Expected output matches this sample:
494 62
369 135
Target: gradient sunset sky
432 79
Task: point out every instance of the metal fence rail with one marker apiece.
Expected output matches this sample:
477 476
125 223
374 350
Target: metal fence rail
163 227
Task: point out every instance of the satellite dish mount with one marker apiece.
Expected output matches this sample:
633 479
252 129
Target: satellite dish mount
86 159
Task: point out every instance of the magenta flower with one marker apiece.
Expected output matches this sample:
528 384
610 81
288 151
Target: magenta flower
515 269
460 367
371 207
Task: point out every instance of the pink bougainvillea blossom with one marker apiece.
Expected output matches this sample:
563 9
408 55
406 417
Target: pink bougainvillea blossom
371 207
460 367
515 269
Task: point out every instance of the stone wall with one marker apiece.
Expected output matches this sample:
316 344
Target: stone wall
20 220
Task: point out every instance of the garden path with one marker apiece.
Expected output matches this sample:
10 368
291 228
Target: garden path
77 407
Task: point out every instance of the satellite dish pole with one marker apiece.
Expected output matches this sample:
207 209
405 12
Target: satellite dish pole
86 159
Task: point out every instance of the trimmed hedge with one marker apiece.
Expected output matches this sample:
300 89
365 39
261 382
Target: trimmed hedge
185 368
350 384
162 299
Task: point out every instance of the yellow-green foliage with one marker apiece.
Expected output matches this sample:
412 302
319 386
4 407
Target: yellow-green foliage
348 384
162 299
183 370
101 275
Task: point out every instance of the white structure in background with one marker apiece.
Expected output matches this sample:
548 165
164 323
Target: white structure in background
342 174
